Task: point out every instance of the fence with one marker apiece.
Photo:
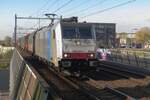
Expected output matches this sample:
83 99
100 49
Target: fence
25 82
135 58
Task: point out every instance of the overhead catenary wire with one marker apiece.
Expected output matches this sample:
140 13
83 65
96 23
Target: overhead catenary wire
36 25
93 6
47 2
62 6
89 7
77 6
106 9
40 9
50 6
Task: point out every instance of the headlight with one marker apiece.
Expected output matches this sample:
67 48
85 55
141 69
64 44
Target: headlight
78 42
91 55
65 55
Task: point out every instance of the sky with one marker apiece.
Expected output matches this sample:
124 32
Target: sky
127 17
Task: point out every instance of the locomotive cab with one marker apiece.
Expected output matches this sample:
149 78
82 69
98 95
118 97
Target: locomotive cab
78 45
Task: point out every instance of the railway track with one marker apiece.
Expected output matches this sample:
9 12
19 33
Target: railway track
68 88
125 73
126 67
131 77
121 71
106 93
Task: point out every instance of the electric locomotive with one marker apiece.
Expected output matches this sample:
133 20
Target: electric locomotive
68 45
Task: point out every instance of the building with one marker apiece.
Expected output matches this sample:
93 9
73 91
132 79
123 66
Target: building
125 40
105 34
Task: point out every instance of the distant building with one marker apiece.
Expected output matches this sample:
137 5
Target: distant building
125 40
105 34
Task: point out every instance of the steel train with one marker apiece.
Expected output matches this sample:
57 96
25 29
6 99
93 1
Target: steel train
66 45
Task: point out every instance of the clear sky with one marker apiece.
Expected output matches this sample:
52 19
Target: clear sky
127 17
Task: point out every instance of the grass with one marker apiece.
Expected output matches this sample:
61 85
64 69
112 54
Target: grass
7 56
4 66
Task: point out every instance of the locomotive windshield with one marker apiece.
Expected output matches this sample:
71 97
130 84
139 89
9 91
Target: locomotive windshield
77 32
85 33
69 32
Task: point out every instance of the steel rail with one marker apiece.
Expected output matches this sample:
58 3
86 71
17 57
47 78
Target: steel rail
85 89
123 70
112 72
119 93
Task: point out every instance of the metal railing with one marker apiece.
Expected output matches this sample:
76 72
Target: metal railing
135 58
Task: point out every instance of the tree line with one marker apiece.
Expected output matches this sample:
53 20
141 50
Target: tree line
6 42
141 36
